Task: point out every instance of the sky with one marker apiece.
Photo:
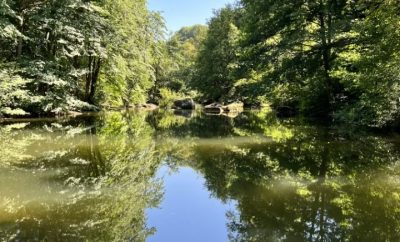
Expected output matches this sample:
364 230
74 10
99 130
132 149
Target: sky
179 13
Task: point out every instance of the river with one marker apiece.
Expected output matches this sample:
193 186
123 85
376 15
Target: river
164 176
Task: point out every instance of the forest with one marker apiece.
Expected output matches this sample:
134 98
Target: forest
108 130
336 60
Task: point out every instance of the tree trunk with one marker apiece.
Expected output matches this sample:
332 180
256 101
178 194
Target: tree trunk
88 79
325 48
91 78
20 39
95 75
325 19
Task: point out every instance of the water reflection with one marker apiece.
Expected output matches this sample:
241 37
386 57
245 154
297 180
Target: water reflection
80 181
188 213
93 179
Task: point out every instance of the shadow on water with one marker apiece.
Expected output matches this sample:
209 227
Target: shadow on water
93 178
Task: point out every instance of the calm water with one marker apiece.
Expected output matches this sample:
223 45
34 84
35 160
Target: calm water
190 177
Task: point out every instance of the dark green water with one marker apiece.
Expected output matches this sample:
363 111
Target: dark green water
191 177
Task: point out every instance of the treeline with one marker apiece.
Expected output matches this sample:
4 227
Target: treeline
176 66
76 55
334 59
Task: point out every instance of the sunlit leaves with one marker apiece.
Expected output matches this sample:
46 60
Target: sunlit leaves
129 72
217 60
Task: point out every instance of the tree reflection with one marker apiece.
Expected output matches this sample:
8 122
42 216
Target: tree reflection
315 186
295 182
93 180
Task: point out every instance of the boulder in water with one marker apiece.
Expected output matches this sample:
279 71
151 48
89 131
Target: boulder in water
147 106
217 108
214 108
187 104
237 107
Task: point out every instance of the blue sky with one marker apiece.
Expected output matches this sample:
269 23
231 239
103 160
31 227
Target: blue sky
179 13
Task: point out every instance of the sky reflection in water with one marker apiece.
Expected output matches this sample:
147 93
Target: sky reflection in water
133 176
188 211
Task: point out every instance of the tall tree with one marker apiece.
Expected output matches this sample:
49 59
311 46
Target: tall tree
217 59
54 45
175 65
183 48
129 73
296 44
370 71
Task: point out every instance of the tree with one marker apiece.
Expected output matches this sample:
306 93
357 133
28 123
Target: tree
183 48
217 59
321 56
129 73
56 48
370 70
175 64
71 55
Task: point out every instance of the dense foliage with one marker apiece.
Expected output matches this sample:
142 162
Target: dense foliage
175 69
133 47
216 62
335 59
329 58
56 54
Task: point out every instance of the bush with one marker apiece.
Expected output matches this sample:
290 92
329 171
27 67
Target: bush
168 97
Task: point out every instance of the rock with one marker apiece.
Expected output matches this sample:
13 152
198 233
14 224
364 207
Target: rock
231 115
217 108
207 102
187 104
184 113
237 107
147 106
74 114
110 108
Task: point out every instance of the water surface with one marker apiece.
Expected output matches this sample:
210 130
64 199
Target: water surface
132 176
